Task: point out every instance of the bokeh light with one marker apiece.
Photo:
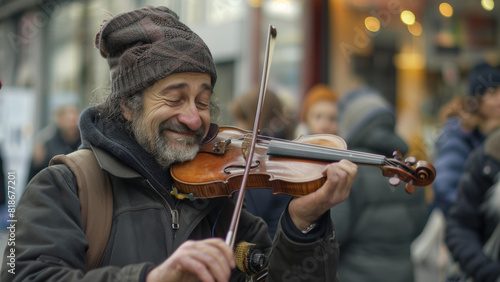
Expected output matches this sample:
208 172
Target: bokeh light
407 17
446 9
488 5
372 24
415 29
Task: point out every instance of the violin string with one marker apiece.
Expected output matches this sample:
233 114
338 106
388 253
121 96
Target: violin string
401 165
340 152
369 156
309 151
265 140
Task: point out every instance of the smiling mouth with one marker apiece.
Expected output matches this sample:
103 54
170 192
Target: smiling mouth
183 138
179 134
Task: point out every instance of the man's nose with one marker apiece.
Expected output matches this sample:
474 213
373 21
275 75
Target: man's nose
190 117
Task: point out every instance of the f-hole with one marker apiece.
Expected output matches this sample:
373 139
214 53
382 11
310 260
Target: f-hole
240 168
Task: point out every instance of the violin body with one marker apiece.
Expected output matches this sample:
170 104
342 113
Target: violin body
213 174
287 167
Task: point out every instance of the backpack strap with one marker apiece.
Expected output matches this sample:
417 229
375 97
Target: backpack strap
96 200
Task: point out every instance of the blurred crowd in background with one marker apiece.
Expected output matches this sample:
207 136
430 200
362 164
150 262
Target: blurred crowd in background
420 77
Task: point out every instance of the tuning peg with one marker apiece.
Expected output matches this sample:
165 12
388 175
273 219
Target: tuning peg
409 188
394 181
397 155
410 161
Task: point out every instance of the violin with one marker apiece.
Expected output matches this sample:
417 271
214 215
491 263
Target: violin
292 167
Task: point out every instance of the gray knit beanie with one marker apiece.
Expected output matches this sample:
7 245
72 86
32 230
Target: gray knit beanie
148 44
358 107
367 120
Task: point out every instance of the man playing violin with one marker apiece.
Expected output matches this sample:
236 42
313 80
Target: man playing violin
157 114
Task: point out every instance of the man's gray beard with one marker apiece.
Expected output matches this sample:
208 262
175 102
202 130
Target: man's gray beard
160 149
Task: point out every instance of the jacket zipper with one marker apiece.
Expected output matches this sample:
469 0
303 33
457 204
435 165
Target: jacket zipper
173 211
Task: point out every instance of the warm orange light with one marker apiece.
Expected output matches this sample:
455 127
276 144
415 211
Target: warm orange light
446 9
415 29
254 3
407 17
372 24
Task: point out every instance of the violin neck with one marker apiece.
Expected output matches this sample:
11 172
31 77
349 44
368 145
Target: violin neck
290 149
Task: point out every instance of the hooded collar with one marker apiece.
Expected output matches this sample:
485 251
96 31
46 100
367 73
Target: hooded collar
120 146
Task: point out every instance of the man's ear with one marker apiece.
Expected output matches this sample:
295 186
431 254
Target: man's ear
127 113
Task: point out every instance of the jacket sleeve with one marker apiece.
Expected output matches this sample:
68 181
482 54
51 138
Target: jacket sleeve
465 223
294 256
451 154
49 241
294 259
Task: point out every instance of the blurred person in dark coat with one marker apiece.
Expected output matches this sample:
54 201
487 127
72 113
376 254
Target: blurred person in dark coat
64 140
376 224
467 121
472 225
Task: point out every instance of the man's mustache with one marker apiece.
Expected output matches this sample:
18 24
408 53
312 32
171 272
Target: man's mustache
173 125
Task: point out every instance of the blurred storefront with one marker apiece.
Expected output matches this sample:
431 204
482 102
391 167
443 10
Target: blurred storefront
415 52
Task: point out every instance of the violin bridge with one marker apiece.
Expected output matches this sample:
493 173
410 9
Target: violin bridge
220 147
245 145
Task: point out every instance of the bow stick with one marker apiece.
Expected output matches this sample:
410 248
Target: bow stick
231 234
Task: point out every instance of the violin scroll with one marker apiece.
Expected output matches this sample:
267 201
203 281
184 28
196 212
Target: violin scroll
425 171
411 171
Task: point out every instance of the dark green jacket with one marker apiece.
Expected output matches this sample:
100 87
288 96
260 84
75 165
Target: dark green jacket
376 224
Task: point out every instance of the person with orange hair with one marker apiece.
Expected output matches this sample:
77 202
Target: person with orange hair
319 111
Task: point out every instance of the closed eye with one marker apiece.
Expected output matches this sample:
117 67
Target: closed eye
202 105
172 102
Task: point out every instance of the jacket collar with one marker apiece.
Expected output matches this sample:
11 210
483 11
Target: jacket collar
192 212
112 165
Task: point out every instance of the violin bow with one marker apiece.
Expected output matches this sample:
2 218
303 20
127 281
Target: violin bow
271 39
